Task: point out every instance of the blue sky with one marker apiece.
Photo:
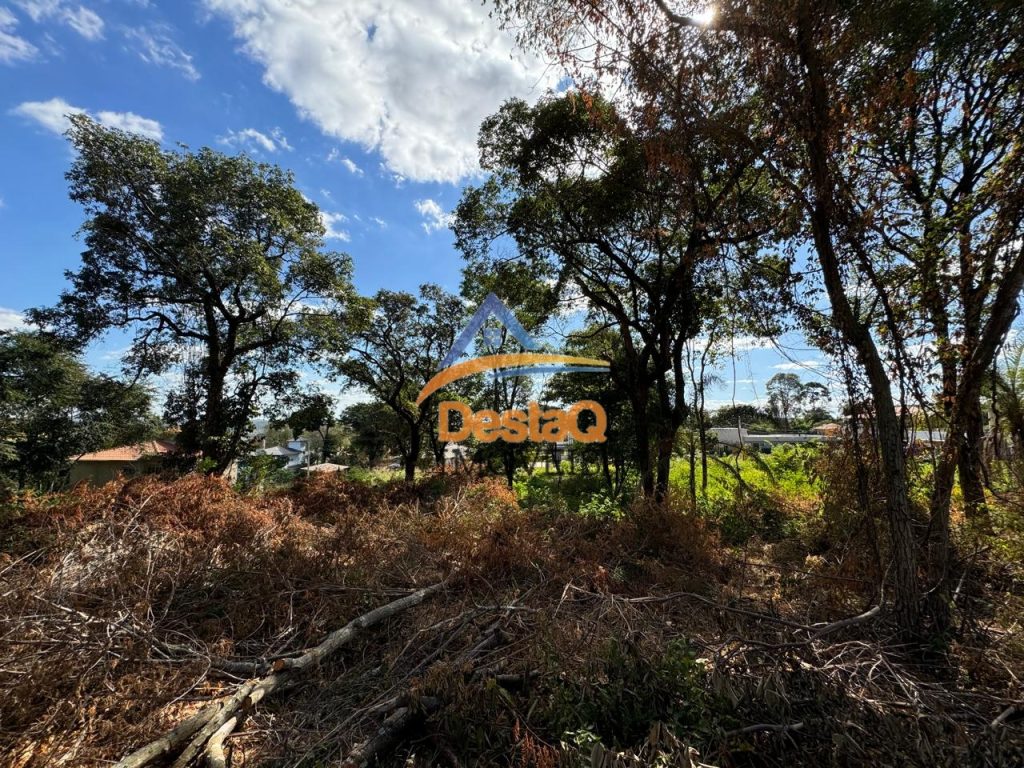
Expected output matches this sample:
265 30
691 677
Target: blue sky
373 105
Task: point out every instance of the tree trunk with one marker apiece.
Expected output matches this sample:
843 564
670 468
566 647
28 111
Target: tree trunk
509 460
605 469
857 335
693 472
970 460
414 453
641 431
215 424
666 443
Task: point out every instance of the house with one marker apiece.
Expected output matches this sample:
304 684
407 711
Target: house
736 436
100 467
926 436
294 452
828 430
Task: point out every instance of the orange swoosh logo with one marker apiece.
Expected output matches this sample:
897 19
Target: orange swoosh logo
490 362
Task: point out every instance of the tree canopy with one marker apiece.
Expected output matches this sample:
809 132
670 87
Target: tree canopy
52 410
208 261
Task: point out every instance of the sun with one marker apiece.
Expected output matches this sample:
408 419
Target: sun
704 17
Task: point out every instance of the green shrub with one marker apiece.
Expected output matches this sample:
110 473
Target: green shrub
600 506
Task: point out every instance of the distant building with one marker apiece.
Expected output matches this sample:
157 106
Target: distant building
101 467
928 437
295 453
828 430
735 436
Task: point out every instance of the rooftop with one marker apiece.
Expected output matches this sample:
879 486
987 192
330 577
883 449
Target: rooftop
132 452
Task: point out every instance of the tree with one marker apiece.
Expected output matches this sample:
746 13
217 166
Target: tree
813 402
397 343
312 412
591 207
784 392
1006 397
616 455
53 410
209 261
534 302
740 415
375 430
893 129
700 357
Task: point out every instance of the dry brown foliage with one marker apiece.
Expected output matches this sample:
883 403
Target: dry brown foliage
124 608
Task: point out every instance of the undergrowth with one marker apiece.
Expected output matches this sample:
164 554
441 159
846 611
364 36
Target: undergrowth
619 626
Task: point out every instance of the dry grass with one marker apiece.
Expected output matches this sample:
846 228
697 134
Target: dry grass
119 604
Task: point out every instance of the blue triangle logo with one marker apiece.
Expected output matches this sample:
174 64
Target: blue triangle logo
491 306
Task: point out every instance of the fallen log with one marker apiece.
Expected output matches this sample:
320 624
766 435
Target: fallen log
391 731
204 733
408 710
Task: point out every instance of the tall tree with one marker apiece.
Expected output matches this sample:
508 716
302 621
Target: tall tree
534 301
204 259
397 343
592 206
864 106
375 430
617 454
784 392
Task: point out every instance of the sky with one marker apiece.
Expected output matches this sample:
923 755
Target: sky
375 106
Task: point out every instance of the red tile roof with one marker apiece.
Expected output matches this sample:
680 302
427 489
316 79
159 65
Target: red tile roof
132 452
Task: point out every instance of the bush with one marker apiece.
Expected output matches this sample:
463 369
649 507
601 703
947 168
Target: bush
601 506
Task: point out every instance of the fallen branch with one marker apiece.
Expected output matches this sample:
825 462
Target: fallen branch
205 732
407 709
765 727
1005 715
390 732
848 622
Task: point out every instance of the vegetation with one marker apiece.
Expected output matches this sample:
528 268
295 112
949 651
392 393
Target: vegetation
52 410
672 596
558 633
397 344
213 263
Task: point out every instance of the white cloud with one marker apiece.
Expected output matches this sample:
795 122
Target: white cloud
732 344
251 139
155 46
329 220
281 140
11 320
413 81
129 121
84 21
434 216
351 166
801 365
53 116
12 47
